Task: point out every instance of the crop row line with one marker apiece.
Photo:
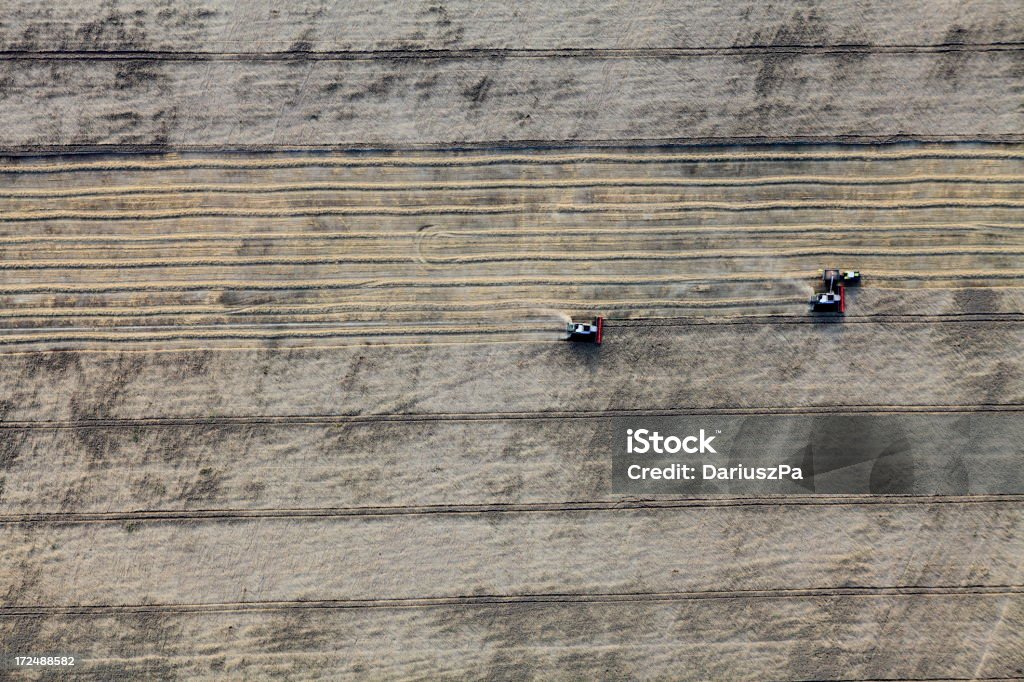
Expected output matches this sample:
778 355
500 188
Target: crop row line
487 185
363 160
490 233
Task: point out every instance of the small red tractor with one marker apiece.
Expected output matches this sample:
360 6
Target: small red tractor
583 332
833 299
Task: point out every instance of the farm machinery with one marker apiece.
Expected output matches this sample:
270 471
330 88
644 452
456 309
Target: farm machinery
833 298
584 332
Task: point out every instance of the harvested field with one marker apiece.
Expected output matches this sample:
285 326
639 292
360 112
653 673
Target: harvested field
208 251
238 364
283 386
879 636
316 27
410 103
212 75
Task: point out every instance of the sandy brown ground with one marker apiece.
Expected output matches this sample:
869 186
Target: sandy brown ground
315 26
241 75
310 416
781 637
313 414
214 104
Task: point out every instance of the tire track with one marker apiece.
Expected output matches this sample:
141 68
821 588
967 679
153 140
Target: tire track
520 323
319 419
773 319
462 54
516 599
581 506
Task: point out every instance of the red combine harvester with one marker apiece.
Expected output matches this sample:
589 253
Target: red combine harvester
833 299
582 332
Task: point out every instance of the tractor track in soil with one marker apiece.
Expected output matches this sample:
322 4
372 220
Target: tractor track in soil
623 505
508 53
319 419
474 600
